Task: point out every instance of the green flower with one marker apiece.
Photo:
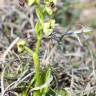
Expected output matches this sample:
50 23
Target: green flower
49 1
49 27
21 45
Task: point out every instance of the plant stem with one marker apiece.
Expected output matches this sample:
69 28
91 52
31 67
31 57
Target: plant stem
36 60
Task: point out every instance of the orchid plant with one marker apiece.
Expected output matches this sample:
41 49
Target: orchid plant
42 27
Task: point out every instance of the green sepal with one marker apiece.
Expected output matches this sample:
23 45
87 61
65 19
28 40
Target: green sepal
30 2
48 10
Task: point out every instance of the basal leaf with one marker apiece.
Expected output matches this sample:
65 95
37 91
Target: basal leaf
48 76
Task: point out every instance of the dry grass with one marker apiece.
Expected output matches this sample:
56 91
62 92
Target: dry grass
73 64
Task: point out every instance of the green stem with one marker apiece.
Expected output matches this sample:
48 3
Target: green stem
36 60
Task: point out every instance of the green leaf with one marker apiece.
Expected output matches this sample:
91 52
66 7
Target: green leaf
38 29
48 76
30 2
40 15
